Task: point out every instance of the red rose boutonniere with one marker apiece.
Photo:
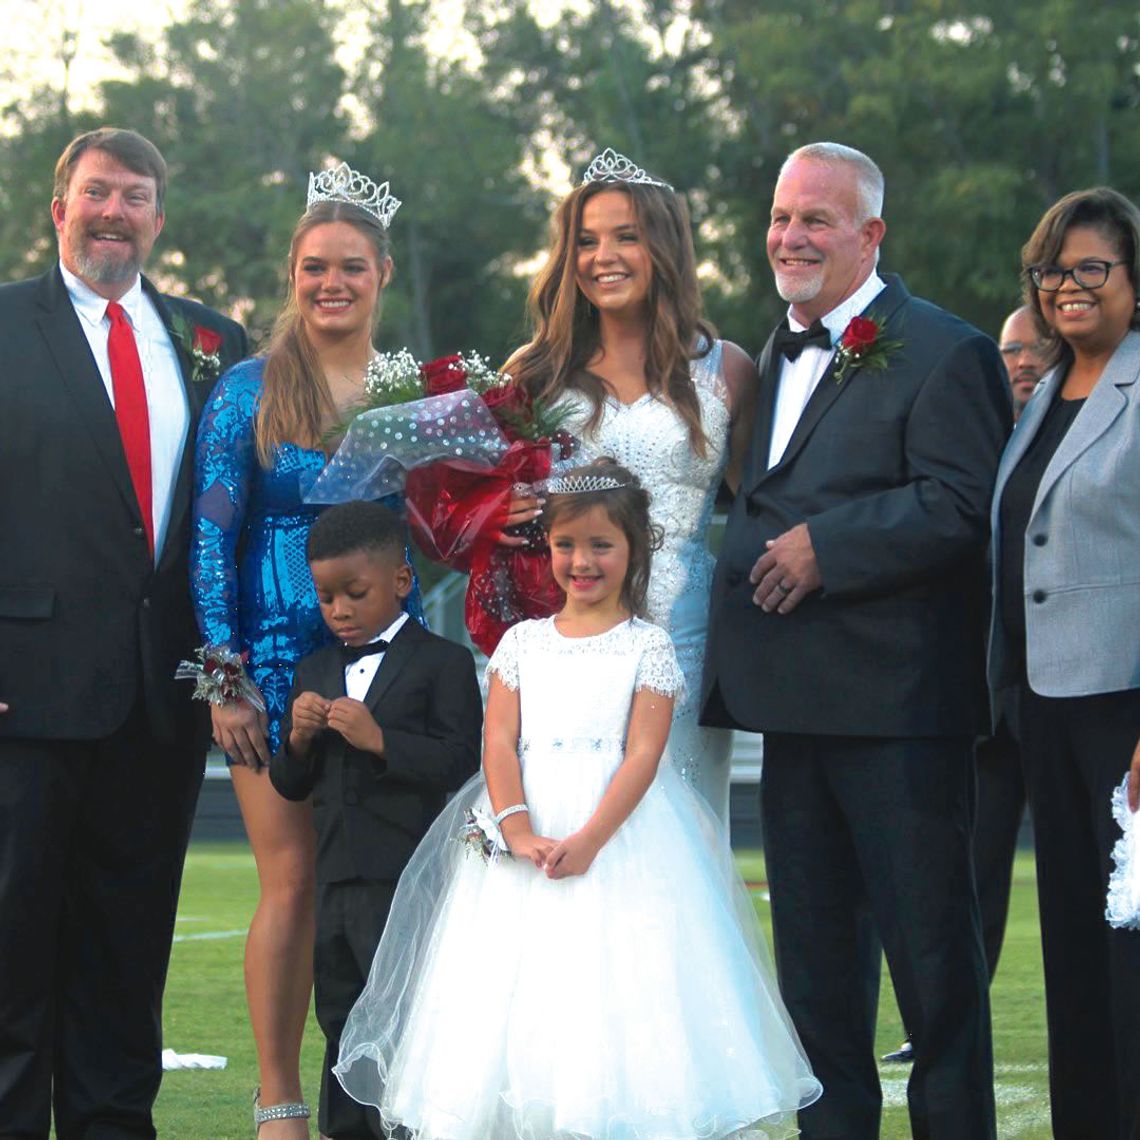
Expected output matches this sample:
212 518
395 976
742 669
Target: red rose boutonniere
202 346
862 346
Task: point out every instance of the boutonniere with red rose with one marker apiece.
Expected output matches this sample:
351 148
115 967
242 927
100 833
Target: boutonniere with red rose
202 346
862 346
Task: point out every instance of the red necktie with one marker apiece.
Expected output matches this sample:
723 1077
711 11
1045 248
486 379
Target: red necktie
131 410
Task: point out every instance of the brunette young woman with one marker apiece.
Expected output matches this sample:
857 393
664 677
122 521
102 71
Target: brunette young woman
619 340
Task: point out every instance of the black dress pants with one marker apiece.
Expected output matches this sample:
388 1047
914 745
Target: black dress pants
350 920
868 841
1075 751
93 837
1001 804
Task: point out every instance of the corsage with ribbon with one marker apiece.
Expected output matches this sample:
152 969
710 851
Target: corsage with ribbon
480 833
219 677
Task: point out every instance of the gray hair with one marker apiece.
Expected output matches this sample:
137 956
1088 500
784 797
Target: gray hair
869 178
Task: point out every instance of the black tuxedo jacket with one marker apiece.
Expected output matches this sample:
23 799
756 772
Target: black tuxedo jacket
370 811
87 621
892 471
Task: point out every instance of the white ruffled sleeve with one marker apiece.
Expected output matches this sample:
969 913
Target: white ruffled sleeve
658 669
504 662
1123 906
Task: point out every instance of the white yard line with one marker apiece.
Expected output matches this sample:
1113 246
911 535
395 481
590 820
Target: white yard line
210 936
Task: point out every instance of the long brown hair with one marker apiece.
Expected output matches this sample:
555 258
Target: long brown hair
565 326
295 399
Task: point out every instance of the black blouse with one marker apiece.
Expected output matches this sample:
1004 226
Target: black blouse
1016 506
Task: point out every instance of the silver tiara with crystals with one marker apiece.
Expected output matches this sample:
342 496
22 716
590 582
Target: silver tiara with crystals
609 166
343 184
581 484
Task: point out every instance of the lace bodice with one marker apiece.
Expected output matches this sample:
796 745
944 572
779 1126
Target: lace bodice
650 439
575 693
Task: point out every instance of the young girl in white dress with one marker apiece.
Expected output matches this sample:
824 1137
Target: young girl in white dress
606 977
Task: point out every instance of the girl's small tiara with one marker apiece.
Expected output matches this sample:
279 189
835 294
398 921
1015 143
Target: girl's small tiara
579 484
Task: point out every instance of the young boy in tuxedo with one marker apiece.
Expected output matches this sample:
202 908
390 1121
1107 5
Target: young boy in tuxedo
381 726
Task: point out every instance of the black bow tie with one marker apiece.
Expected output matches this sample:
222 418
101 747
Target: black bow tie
353 653
791 344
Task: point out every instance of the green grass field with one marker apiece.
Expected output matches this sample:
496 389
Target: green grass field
205 1009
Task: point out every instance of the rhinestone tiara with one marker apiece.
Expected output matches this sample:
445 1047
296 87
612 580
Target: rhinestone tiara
609 166
343 184
580 484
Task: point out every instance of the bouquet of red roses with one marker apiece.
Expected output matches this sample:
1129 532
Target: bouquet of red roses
455 436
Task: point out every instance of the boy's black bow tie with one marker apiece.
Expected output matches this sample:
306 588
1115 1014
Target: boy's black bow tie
353 653
791 344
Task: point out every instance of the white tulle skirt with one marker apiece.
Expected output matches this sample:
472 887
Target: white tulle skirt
634 1002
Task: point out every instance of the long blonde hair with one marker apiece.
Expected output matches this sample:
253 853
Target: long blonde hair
295 399
565 326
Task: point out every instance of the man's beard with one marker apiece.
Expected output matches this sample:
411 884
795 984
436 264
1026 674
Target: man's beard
107 269
799 290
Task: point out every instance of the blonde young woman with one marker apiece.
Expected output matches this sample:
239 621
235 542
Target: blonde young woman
262 442
619 340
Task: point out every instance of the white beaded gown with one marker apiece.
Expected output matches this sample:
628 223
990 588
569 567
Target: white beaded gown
652 441
633 1002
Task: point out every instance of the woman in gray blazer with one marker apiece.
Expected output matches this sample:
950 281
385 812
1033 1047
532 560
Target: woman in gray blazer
1064 659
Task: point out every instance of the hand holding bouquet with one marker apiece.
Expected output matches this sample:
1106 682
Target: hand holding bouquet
455 436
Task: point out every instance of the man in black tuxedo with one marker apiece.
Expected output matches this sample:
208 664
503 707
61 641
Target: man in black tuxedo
101 753
848 626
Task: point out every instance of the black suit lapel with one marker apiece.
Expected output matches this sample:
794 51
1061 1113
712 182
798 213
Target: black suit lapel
61 329
768 368
330 678
195 393
885 307
827 391
404 647
184 481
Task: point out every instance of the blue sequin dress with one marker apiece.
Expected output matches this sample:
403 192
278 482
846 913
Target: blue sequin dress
248 574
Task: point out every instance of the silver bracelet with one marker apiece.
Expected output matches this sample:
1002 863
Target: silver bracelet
514 809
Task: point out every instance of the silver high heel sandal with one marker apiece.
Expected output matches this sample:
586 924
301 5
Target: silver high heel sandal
294 1110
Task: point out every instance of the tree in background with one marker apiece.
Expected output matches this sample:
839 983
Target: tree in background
242 97
454 154
979 115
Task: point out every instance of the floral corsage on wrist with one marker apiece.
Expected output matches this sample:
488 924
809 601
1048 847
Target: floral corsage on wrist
480 833
202 346
219 677
862 346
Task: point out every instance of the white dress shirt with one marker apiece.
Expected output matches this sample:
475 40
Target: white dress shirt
798 378
358 675
167 408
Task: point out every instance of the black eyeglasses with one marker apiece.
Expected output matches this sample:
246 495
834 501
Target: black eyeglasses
1016 347
1090 274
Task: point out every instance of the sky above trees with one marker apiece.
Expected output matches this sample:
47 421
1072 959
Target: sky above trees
980 116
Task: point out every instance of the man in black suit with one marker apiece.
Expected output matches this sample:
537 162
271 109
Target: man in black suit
380 729
101 753
848 626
